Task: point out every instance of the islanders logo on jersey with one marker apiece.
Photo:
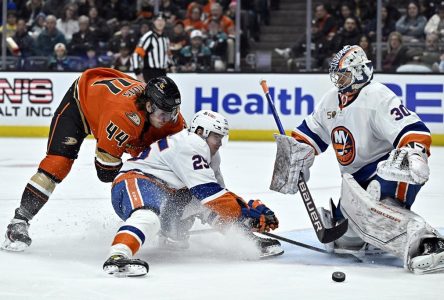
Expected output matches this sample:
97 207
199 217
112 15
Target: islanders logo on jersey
344 145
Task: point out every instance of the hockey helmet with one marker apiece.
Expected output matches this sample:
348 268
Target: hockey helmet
163 93
350 69
209 121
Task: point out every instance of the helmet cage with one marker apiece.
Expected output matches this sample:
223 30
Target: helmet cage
350 69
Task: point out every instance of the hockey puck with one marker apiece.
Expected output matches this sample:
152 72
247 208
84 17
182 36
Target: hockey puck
338 276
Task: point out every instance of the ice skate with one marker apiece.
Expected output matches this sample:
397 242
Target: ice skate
17 238
121 266
173 243
432 258
268 247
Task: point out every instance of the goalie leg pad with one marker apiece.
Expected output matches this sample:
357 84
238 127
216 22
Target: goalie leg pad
383 224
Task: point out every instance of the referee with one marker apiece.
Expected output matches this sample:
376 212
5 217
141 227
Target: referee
151 57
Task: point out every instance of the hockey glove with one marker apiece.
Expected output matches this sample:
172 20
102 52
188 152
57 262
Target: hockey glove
292 158
262 219
407 164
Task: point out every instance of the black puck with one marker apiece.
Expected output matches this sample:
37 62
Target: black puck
338 276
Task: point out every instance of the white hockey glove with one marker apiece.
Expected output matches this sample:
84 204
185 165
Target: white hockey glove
407 164
292 158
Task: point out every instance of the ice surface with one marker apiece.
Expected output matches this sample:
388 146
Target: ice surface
72 234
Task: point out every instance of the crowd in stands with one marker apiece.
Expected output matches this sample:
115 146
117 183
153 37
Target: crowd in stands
72 35
412 34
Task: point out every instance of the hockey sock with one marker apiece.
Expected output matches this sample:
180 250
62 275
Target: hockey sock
36 194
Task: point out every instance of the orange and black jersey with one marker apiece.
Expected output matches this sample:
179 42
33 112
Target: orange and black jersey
107 101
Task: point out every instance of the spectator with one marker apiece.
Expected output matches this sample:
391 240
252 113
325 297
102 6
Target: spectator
83 39
49 37
145 12
216 40
227 26
31 10
231 11
366 45
144 28
68 23
436 23
151 58
388 25
324 23
396 54
178 39
170 11
123 60
23 40
11 24
59 61
56 7
412 25
346 10
84 6
349 35
225 23
194 18
195 57
427 8
122 36
99 27
119 10
91 60
38 26
430 54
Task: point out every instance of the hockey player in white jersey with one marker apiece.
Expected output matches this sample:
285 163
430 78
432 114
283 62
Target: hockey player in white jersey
173 170
382 149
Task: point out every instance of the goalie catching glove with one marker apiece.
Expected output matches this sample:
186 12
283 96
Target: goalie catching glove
406 164
259 216
292 158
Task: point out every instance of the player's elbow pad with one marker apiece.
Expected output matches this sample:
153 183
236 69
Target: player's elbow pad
107 173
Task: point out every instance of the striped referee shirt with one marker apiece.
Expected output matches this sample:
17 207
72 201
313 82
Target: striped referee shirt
151 52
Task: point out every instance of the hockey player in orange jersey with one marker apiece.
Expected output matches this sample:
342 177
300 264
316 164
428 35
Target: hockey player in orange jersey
123 114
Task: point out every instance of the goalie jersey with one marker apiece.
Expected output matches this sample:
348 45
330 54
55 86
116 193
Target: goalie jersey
363 130
183 160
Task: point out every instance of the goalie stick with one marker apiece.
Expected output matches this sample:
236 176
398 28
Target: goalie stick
325 235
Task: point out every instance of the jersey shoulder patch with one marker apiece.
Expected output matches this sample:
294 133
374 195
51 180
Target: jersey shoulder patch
134 118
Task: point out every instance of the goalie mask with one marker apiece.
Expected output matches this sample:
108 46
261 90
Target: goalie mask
350 69
209 121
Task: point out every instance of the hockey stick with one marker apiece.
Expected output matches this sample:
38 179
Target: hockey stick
284 239
325 235
293 242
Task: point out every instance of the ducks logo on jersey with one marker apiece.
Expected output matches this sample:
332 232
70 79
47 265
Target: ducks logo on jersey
344 145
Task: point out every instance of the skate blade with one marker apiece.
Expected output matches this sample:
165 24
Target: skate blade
271 252
16 246
127 271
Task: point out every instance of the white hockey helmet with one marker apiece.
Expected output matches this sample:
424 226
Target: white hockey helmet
350 69
209 121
